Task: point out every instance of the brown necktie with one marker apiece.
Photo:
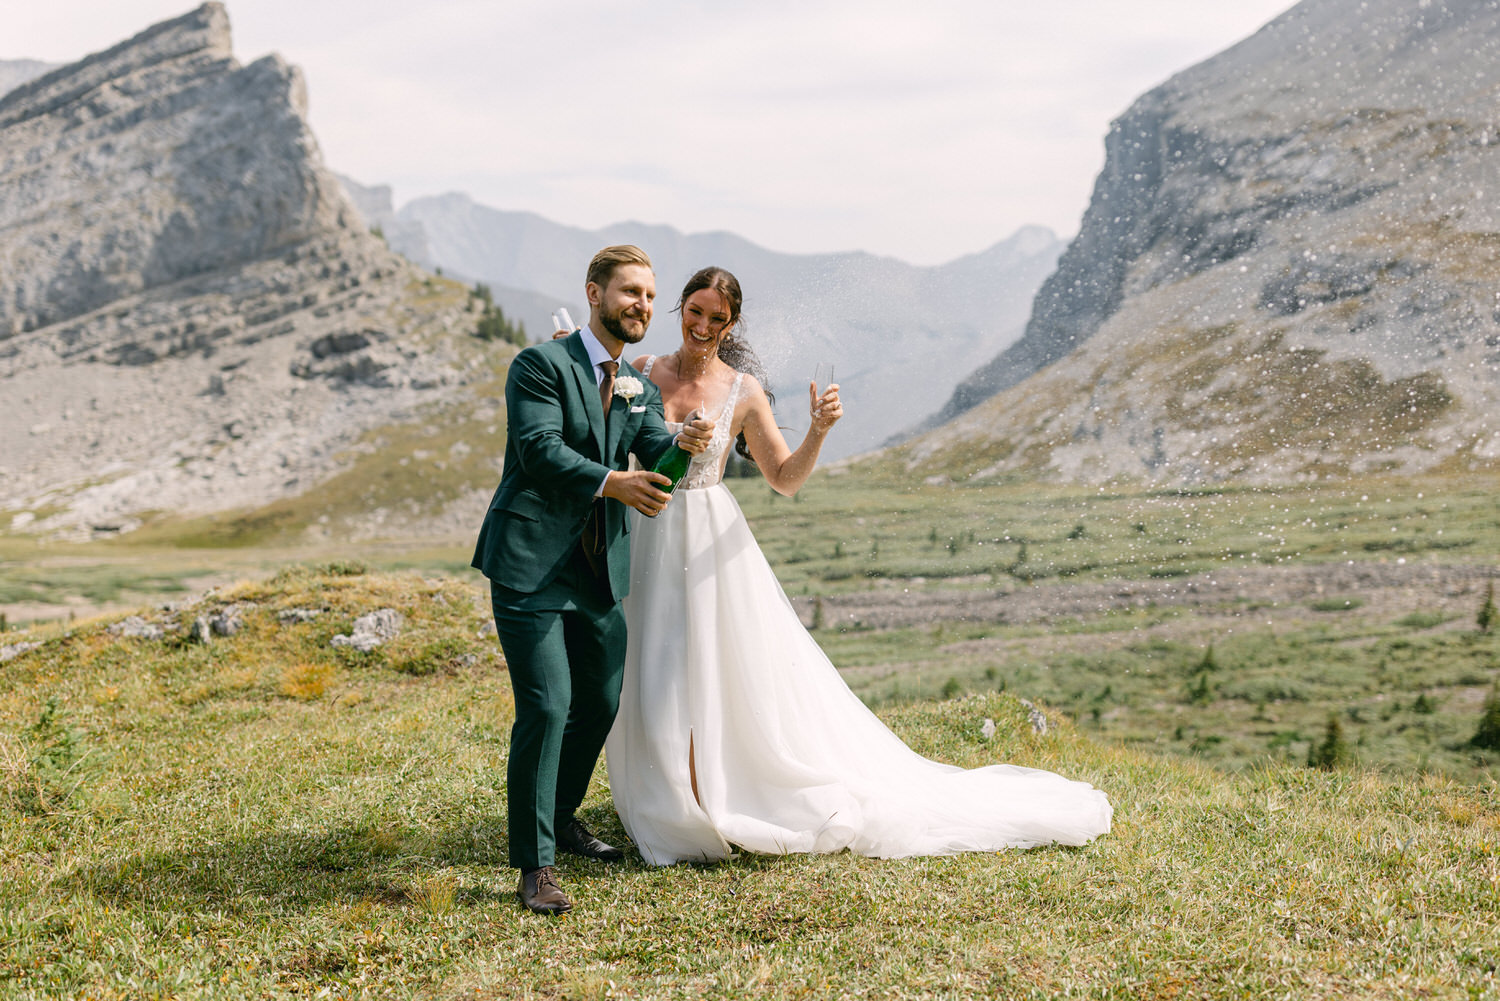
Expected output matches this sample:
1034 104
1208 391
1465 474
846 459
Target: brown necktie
607 386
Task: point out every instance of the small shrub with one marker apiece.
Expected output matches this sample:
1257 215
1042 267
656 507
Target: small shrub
305 681
1263 690
48 776
1421 620
343 568
446 655
1205 742
1336 604
952 688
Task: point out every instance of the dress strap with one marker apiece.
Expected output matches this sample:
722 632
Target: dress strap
733 398
647 370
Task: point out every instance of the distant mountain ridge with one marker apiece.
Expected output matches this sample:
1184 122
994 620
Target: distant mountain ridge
1288 269
14 72
900 336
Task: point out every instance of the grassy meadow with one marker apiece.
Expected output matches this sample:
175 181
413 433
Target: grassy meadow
872 527
267 815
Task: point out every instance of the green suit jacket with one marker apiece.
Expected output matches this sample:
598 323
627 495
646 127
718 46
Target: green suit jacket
556 456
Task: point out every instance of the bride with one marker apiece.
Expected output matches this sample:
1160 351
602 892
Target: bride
734 728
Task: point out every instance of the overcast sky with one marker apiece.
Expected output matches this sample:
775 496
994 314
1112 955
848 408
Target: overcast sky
918 130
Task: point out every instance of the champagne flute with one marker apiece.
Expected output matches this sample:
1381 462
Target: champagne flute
822 379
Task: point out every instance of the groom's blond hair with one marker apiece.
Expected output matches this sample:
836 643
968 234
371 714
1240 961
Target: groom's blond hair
602 267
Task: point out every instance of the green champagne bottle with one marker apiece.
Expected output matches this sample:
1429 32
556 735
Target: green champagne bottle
673 464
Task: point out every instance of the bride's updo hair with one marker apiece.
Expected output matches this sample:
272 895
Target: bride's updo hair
733 350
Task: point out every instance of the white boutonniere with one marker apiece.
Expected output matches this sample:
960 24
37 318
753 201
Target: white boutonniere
628 387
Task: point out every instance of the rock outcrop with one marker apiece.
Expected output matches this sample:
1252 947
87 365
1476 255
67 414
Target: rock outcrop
193 316
1288 268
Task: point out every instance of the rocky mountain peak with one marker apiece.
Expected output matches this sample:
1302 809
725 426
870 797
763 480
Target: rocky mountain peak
193 316
1286 268
207 165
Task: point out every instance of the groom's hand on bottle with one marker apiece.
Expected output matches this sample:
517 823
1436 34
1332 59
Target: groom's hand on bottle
640 488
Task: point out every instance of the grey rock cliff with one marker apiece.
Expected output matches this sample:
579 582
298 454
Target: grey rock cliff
193 316
207 162
1285 270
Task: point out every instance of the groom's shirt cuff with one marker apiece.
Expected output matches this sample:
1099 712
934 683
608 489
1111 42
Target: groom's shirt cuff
600 492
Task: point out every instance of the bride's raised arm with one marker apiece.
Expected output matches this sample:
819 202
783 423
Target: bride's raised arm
783 468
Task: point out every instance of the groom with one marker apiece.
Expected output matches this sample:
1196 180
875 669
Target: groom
554 548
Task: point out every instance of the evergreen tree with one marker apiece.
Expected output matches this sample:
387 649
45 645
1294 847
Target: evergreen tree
1208 663
493 324
1200 693
1487 612
1332 752
1488 734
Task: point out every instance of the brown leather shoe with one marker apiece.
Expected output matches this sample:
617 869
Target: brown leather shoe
575 839
540 893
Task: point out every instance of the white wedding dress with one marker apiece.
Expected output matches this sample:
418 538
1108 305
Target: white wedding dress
720 676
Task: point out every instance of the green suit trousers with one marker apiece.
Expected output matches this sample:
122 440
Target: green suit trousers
565 651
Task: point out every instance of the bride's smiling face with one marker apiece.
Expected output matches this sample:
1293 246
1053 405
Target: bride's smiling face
705 321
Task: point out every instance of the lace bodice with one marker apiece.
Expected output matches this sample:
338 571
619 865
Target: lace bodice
707 467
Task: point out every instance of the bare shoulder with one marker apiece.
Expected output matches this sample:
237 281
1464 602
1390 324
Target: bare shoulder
753 403
751 389
640 363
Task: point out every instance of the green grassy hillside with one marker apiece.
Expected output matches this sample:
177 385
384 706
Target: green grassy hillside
265 815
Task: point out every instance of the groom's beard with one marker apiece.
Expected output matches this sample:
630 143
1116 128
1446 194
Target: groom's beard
614 323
